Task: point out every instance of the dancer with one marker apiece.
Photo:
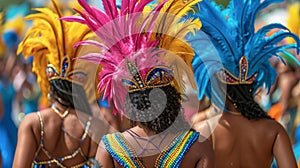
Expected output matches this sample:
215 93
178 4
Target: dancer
55 136
138 48
245 136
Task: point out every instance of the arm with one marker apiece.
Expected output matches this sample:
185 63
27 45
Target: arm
27 144
103 157
207 159
282 150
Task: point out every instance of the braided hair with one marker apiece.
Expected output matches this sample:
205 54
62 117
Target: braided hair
156 109
241 97
70 95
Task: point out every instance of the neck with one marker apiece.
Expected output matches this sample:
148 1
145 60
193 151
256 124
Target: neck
59 107
232 109
60 110
144 131
234 112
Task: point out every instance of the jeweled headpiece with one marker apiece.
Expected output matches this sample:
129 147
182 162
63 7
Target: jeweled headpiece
156 77
132 39
243 53
50 41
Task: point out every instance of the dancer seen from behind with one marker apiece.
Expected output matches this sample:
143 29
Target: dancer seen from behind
138 48
230 76
61 135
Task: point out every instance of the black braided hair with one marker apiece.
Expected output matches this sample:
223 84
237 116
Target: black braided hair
157 109
70 94
241 96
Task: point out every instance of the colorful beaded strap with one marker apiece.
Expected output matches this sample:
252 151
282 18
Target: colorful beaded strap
175 154
58 161
118 148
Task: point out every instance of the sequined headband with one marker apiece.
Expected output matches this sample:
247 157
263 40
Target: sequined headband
226 77
156 77
74 76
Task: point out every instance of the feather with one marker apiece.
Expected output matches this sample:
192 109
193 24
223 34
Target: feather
167 24
293 21
49 41
131 33
231 32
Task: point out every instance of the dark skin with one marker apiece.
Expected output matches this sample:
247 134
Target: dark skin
200 154
240 142
57 142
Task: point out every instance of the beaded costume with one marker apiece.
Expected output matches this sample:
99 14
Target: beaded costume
171 156
58 161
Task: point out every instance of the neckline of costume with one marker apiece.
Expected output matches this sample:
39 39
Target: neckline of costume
62 116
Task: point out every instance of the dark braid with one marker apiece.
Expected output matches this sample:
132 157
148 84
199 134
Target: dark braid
165 111
241 96
72 95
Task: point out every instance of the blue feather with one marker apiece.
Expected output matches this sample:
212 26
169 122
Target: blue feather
231 32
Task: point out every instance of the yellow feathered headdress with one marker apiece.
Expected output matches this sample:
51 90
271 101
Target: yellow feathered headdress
50 41
173 32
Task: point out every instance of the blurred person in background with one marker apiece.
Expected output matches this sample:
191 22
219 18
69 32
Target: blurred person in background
27 90
285 110
9 34
230 74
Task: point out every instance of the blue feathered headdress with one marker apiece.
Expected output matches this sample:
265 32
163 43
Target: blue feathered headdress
242 55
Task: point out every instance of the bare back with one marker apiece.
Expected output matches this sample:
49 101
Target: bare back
60 139
240 142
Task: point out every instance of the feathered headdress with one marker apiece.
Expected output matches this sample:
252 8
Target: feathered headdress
132 38
50 41
243 54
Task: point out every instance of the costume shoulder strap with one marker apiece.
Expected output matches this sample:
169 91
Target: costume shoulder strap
117 147
175 154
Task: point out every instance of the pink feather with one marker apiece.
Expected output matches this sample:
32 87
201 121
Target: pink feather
120 39
110 8
92 42
74 19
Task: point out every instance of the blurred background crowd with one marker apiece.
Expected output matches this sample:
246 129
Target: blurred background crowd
20 92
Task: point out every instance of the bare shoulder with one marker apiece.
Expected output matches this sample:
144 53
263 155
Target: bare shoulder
269 129
202 146
30 121
272 125
202 151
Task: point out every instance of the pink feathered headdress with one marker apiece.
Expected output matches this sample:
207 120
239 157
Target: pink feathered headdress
129 47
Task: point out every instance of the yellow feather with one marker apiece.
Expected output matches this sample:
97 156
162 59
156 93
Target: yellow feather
172 33
50 40
293 21
179 7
